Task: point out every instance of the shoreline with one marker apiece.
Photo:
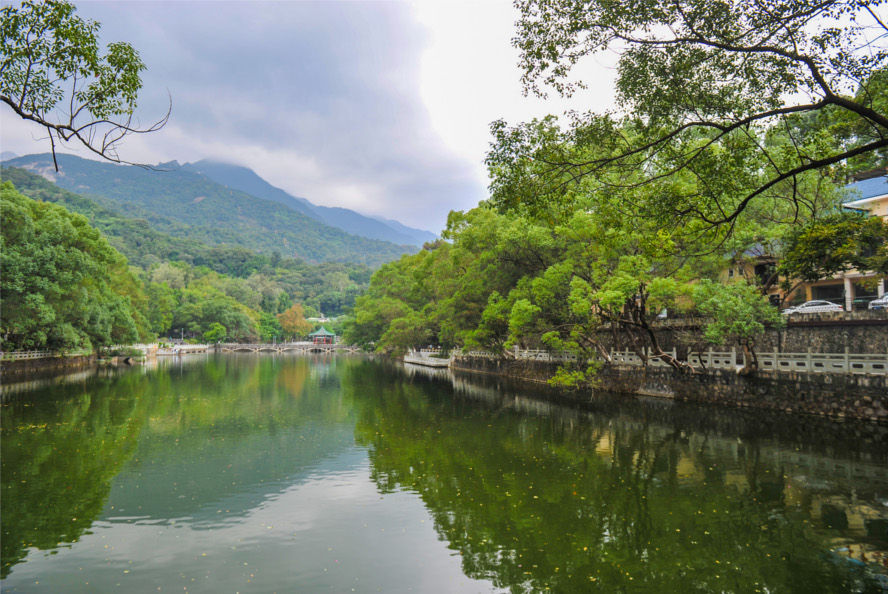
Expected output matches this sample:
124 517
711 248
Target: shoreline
837 396
46 363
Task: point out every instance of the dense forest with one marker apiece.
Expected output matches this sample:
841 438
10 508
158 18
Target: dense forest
573 275
67 283
713 187
563 261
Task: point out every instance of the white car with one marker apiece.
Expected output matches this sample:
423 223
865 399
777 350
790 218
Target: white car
880 303
813 307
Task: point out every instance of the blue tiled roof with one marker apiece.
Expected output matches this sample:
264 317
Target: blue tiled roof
868 188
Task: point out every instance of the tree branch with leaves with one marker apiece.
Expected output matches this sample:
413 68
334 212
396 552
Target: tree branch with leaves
697 78
53 73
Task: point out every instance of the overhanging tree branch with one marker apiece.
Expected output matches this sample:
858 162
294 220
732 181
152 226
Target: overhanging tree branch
695 73
51 58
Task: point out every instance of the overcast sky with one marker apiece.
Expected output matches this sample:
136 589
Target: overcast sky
381 107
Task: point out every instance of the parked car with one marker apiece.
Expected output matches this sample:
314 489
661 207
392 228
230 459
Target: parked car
880 303
813 307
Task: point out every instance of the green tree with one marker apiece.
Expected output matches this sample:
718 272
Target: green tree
738 313
269 327
702 83
172 276
162 302
216 333
63 286
836 243
201 305
53 73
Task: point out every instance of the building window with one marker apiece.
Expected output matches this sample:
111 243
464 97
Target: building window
730 273
833 293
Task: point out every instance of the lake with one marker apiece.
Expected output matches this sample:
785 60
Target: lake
295 473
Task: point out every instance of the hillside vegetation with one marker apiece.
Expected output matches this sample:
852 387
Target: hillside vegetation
246 180
67 286
189 205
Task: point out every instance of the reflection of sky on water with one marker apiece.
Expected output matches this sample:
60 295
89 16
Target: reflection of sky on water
215 470
234 474
329 530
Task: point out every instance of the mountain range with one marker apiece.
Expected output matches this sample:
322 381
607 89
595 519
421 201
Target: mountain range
193 202
246 180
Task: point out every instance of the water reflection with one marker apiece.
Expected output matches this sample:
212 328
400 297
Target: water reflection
635 494
282 473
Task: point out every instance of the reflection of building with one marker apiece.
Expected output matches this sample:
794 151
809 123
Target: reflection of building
322 336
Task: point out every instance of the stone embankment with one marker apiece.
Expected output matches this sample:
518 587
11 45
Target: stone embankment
859 396
832 332
48 362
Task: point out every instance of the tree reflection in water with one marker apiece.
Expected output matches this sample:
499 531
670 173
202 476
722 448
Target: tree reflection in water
614 494
627 494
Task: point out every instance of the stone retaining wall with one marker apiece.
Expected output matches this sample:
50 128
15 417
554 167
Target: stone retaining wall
861 332
26 365
848 396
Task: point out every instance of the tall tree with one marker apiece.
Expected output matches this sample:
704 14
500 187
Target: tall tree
63 286
293 321
53 73
700 85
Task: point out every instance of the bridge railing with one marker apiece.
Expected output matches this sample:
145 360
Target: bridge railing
21 355
254 346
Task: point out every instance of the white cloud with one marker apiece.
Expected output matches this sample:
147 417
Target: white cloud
382 107
470 76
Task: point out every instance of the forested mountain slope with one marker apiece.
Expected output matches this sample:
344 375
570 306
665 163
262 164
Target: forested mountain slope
191 206
246 180
129 234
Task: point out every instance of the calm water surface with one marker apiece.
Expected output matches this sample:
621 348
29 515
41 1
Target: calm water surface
292 473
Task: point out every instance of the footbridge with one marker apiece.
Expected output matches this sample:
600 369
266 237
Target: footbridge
281 347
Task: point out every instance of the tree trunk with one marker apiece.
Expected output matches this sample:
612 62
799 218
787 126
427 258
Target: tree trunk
751 365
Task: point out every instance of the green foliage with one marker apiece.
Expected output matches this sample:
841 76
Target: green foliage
836 243
216 333
522 318
53 73
739 312
269 328
201 305
581 375
63 286
195 210
407 332
242 291
702 86
581 267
